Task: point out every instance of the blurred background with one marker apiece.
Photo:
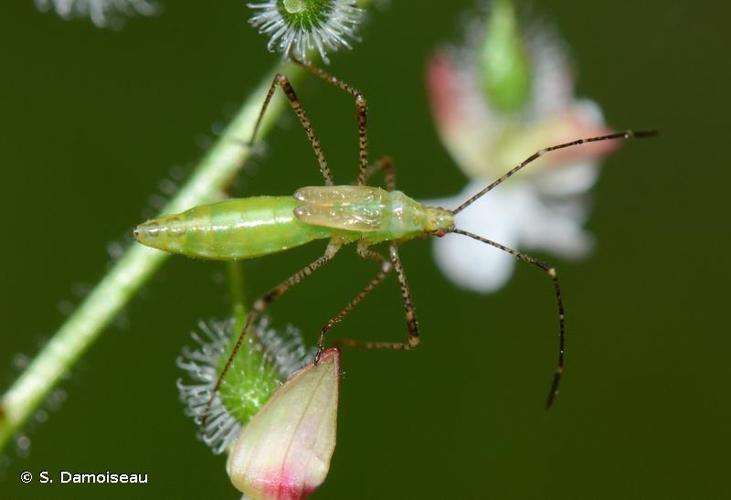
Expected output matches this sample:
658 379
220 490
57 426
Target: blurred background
93 120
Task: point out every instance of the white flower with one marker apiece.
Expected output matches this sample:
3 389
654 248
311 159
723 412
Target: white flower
103 13
297 27
544 206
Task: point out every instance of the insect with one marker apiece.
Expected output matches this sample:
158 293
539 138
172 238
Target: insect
343 214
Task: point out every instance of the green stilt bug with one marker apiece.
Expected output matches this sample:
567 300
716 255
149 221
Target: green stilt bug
343 214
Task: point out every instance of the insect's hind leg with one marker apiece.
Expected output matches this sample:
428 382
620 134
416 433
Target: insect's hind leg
361 108
551 273
386 268
412 325
282 82
262 304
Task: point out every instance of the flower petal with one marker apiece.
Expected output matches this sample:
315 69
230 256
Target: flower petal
284 452
467 127
555 226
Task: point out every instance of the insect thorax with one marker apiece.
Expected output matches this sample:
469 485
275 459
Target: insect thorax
376 214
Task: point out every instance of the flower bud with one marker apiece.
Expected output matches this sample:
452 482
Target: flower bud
266 359
284 452
298 27
503 64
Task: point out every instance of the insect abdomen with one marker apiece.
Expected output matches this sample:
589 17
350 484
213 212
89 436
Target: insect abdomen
232 229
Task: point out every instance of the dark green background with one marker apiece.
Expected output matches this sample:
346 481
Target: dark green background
91 121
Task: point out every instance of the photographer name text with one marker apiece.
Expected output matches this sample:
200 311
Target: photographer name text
70 477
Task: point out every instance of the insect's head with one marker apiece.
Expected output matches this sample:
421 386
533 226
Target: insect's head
439 221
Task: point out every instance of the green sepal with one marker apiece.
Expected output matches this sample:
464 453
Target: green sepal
503 61
250 381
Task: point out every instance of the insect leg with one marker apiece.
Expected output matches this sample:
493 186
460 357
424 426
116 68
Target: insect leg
385 165
386 268
361 108
282 82
551 272
263 303
411 323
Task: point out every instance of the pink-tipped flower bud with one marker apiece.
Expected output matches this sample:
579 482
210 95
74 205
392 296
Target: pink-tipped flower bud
284 452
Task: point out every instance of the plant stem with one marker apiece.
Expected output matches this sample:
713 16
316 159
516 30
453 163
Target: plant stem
238 296
137 265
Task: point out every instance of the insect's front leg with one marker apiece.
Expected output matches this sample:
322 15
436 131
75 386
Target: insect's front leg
412 324
386 268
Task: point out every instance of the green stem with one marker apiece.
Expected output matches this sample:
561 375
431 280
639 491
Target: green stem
236 289
138 264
